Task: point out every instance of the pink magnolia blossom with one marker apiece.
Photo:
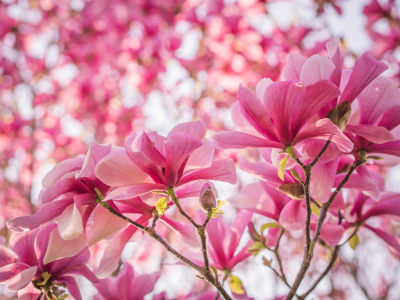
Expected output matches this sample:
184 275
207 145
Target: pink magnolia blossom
126 285
363 208
23 266
184 156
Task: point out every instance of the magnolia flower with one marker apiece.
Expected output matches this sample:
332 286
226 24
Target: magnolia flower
126 285
24 269
184 156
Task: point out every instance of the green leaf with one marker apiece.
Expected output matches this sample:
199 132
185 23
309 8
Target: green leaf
295 175
63 297
236 285
268 225
282 166
256 248
315 209
374 157
354 241
200 277
46 276
215 211
215 271
161 205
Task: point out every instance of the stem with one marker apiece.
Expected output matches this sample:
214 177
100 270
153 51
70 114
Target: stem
222 284
40 296
320 153
308 253
171 194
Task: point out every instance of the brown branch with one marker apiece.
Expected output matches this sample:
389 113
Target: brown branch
175 199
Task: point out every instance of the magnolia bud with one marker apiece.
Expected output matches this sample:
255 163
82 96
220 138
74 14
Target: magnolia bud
339 115
207 199
293 190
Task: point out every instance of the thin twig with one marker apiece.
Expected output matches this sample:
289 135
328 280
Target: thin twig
175 199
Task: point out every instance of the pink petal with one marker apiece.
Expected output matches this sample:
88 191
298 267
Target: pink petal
82 270
72 286
392 148
63 186
389 205
47 213
143 284
379 96
178 147
94 155
148 148
293 216
263 170
255 113
313 147
336 58
221 170
142 161
388 238
128 192
186 232
112 254
215 236
293 67
262 86
356 182
391 118
22 279
28 293
116 169
104 225
374 134
239 140
314 97
365 70
22 244
201 157
59 248
197 129
70 223
241 256
73 265
62 168
273 236
316 68
325 130
322 180
194 189
11 270
280 99
241 122
330 233
7 256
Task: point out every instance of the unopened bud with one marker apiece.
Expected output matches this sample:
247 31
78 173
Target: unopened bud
293 190
339 115
207 199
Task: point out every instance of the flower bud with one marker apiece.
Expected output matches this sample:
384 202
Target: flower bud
207 199
339 115
293 190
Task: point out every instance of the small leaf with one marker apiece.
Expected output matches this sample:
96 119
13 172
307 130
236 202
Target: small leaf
256 248
236 285
220 203
282 166
63 297
200 277
267 262
289 150
46 276
295 175
215 271
354 241
216 213
268 225
315 210
161 205
374 157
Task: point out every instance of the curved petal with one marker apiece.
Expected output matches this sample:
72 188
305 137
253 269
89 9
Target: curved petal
47 213
374 134
94 155
63 186
255 112
28 293
9 271
322 180
316 68
178 147
280 99
389 205
379 96
330 233
313 147
148 148
60 169
144 284
116 169
241 122
22 279
293 67
221 170
197 129
293 216
129 192
23 243
104 225
186 232
239 140
365 70
70 224
262 86
201 157
7 256
391 118
325 130
389 239
72 286
336 58
392 148
194 189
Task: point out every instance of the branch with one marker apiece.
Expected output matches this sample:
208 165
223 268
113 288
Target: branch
175 199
